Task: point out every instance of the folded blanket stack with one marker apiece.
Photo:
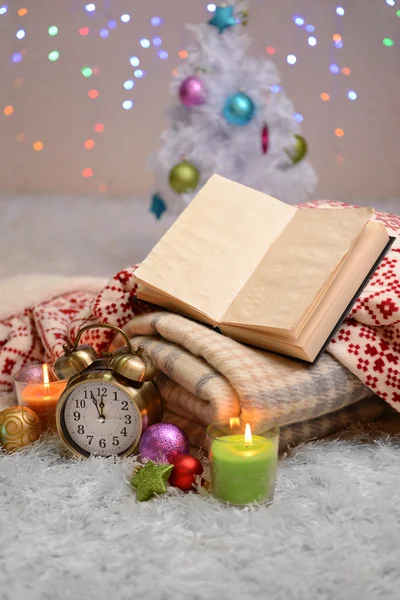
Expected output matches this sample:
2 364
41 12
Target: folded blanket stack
204 376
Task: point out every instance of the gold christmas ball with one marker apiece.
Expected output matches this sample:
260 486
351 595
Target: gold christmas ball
184 177
19 427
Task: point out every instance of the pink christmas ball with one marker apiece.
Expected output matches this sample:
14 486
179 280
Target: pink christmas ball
192 91
162 442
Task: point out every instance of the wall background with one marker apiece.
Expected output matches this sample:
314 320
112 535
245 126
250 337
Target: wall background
51 106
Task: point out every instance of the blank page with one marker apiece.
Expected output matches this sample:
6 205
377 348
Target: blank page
295 269
212 249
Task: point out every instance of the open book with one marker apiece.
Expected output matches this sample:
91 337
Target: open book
263 272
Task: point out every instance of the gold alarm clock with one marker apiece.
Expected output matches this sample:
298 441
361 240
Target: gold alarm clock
109 400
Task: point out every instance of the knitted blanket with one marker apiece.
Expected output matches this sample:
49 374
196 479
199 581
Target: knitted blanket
205 376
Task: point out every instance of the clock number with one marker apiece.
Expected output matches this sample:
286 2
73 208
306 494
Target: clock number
102 392
89 437
115 441
77 415
124 405
123 432
80 403
128 419
115 396
102 443
81 429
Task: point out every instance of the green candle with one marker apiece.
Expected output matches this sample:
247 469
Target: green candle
243 471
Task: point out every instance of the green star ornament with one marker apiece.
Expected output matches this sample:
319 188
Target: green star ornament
223 18
151 480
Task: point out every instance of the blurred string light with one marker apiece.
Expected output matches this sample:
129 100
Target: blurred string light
312 41
339 132
388 42
299 21
346 71
163 55
90 7
104 33
3 9
84 31
339 44
157 41
20 34
270 50
351 94
334 68
112 23
8 111
16 57
86 71
21 12
275 88
310 28
298 118
54 55
145 43
390 2
125 18
128 85
138 73
127 104
134 61
291 59
398 13
38 146
340 11
325 97
52 30
156 21
211 7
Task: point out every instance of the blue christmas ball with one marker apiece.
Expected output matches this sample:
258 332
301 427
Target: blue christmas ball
239 109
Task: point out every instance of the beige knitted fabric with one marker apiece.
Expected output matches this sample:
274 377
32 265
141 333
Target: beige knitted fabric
205 376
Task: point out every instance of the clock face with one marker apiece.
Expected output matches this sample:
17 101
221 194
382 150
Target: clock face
100 418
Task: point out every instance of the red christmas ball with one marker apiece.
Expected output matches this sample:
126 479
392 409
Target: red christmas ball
186 467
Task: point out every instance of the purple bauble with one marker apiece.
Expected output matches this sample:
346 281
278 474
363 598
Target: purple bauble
162 442
192 92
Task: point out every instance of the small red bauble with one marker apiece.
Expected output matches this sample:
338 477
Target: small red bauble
186 467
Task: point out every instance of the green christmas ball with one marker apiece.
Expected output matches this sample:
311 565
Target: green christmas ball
184 177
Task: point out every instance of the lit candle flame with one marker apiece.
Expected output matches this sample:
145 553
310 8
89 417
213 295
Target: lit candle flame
234 422
248 438
46 380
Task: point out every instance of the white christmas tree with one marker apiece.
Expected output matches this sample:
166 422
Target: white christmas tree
230 117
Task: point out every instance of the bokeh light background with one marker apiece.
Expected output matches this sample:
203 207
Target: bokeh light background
84 88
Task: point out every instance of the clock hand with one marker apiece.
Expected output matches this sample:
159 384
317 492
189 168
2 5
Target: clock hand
101 416
96 405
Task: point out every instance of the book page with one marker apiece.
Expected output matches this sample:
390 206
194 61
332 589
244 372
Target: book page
215 245
297 267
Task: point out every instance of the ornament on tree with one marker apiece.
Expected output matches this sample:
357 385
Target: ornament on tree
239 109
265 139
19 427
158 206
150 480
192 91
300 149
223 18
186 468
184 177
162 442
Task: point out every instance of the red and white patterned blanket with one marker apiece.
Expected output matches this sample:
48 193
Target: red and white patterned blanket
38 315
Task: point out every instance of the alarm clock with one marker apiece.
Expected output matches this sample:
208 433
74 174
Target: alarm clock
110 398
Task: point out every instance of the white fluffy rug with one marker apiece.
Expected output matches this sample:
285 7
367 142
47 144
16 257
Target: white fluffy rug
73 529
